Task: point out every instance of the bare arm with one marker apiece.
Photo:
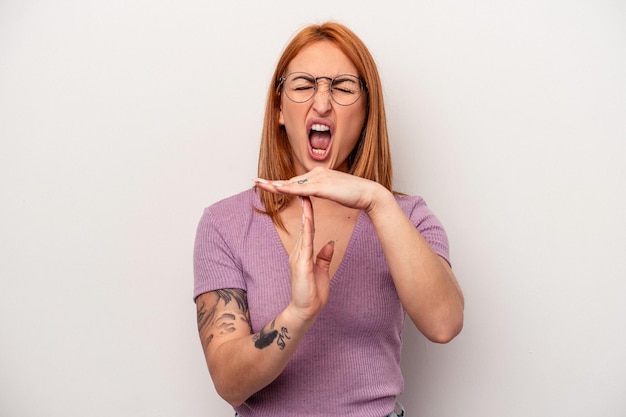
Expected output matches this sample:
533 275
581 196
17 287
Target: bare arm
242 363
425 282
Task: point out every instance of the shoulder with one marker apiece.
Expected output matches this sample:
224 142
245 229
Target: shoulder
231 213
426 222
412 204
415 207
244 200
235 207
221 240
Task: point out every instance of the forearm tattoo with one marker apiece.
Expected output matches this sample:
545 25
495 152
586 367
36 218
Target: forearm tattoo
265 338
227 321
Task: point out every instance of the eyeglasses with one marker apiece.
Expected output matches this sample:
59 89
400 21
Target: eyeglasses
344 89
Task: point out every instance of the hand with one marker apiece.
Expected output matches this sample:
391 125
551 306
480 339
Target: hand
310 279
340 187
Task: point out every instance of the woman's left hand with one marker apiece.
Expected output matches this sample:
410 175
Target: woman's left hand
340 187
424 281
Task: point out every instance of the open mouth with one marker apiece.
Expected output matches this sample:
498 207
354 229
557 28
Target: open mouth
319 140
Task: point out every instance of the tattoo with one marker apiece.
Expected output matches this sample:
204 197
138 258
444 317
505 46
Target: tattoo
226 323
205 318
281 338
230 294
263 338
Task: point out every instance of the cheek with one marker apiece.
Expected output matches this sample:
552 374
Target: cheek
294 134
357 119
289 115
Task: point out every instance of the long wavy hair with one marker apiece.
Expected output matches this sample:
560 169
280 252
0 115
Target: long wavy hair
370 158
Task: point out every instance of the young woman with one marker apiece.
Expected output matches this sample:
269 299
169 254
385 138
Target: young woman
303 282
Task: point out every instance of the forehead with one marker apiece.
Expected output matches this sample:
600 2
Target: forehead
322 58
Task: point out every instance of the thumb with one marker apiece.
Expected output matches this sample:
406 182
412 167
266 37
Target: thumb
324 256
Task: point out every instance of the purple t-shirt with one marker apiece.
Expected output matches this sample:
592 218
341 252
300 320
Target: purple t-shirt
348 363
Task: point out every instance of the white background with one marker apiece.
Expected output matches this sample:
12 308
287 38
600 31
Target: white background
121 120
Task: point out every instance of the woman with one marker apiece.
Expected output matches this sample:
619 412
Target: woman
303 282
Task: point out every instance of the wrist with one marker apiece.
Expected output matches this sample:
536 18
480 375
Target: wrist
382 198
299 317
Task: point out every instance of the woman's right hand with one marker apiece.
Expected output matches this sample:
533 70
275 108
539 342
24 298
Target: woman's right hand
242 363
310 277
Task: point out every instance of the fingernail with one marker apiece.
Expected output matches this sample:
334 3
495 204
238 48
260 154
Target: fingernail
260 180
277 184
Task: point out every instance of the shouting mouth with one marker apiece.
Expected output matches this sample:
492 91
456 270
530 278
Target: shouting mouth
320 139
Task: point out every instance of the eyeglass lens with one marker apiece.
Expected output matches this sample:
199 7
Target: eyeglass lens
344 89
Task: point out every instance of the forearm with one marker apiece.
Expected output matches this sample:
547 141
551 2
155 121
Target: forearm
244 365
424 281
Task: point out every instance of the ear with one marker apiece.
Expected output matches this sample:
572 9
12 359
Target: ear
281 119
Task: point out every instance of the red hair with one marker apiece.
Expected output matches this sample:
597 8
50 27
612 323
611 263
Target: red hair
370 158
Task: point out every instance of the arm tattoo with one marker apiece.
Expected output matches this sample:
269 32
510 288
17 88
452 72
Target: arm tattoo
281 338
263 338
205 318
226 322
230 294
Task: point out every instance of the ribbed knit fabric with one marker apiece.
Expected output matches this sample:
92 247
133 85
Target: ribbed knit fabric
348 363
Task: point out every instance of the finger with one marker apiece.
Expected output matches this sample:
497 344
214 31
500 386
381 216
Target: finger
291 185
307 212
307 232
299 180
273 187
324 256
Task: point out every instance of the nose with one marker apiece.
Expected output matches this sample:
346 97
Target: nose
322 99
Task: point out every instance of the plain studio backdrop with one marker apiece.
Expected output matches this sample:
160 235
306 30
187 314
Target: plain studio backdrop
121 120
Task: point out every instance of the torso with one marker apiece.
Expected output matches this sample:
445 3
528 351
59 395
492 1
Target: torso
236 248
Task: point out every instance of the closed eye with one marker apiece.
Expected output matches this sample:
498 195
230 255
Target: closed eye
344 90
346 85
302 83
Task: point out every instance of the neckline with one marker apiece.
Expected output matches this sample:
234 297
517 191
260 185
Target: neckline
284 254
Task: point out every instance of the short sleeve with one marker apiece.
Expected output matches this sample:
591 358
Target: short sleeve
430 227
215 262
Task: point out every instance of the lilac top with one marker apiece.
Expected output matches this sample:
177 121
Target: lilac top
348 363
